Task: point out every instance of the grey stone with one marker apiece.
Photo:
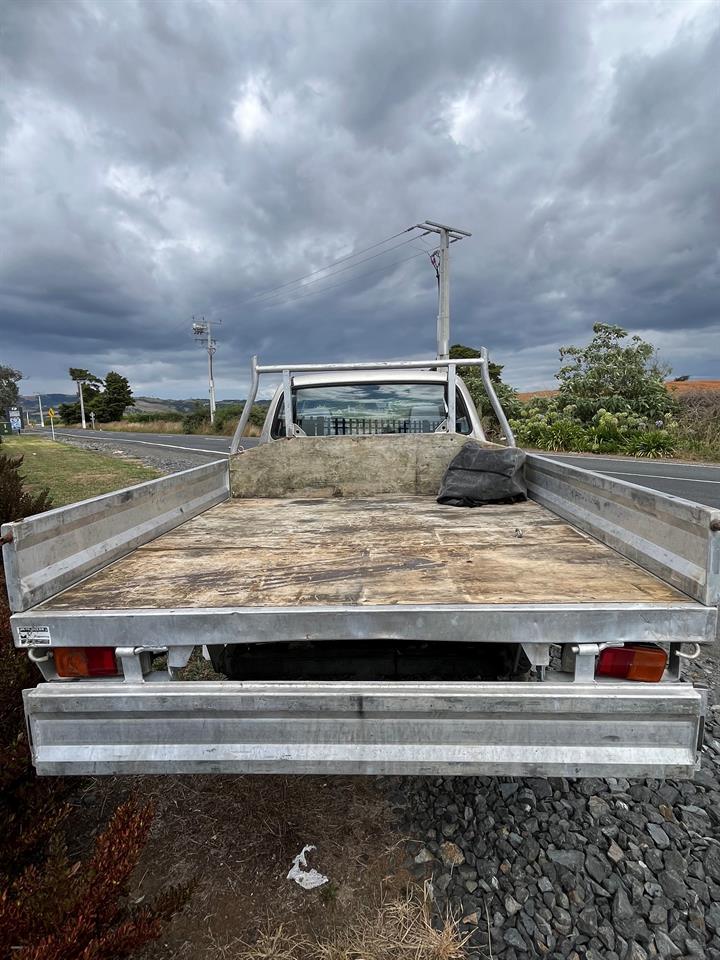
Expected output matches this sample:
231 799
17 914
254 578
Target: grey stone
597 868
635 952
621 906
511 905
572 859
673 885
660 837
658 914
514 938
665 946
424 856
598 807
544 885
615 852
712 917
587 922
711 861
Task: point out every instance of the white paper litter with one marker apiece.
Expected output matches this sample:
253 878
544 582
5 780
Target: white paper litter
308 879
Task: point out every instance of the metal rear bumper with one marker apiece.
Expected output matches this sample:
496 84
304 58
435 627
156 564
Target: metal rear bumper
572 730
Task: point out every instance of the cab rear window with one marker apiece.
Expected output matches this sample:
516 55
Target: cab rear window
370 408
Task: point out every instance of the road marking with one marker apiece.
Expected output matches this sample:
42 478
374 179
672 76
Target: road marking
664 463
654 476
149 443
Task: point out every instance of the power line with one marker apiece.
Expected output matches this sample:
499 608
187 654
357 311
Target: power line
332 286
333 263
335 273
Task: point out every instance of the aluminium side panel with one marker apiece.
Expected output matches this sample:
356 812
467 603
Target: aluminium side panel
53 550
675 539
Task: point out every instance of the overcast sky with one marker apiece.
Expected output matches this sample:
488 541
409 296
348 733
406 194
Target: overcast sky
164 159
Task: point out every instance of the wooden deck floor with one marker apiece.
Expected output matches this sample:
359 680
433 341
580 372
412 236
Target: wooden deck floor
382 550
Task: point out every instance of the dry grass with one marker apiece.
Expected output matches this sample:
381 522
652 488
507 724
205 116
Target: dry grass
399 929
151 426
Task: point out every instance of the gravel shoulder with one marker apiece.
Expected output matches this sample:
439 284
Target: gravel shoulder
600 869
165 460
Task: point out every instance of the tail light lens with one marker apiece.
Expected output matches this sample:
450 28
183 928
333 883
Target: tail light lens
632 662
85 662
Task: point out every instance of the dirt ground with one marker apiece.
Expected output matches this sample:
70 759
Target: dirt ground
234 839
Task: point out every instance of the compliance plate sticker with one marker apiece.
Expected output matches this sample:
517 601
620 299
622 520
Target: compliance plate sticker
34 634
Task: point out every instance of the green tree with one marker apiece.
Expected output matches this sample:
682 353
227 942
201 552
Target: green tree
614 373
473 381
612 399
9 393
111 403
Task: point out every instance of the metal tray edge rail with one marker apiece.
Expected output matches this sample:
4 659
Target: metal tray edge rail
675 539
54 550
534 623
644 730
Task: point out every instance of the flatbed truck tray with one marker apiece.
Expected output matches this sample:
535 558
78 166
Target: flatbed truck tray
179 562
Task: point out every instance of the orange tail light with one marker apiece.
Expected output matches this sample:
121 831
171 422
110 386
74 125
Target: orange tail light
632 662
85 662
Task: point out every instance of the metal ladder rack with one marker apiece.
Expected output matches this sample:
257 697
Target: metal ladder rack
286 370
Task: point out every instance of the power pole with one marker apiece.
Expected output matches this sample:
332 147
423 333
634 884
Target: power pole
42 418
447 236
82 405
202 329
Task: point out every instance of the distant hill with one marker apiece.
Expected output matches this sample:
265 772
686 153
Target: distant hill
48 400
142 404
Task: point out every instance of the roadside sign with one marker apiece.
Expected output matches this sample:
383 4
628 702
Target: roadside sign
52 415
15 418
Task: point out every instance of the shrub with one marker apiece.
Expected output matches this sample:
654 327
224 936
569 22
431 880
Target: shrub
51 909
698 428
70 911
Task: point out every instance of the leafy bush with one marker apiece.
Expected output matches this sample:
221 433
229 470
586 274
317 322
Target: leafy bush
612 399
16 503
51 909
71 911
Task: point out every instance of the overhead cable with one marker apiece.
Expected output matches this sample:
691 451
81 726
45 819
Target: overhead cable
351 266
332 286
329 266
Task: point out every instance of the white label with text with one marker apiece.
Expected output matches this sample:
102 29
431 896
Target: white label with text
34 634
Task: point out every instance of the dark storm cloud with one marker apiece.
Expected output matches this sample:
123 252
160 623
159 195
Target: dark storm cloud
161 160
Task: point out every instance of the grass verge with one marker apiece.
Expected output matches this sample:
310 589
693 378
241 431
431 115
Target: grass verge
72 474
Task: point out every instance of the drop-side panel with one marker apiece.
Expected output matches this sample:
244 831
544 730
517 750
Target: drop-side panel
571 730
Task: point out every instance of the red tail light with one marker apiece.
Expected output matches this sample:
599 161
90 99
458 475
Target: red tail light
632 662
85 662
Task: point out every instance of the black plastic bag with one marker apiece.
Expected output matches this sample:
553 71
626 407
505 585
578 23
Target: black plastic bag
478 475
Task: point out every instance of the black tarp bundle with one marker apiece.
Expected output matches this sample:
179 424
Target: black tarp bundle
478 475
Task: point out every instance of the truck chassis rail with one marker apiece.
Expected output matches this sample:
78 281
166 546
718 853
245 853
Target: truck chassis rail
572 730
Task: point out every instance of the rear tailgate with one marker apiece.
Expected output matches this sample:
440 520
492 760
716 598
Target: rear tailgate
553 729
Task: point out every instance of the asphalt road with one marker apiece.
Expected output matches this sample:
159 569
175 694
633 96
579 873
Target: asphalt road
699 482
691 481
